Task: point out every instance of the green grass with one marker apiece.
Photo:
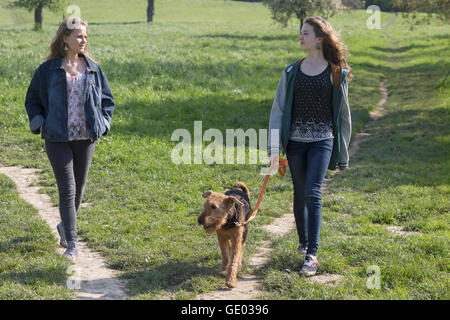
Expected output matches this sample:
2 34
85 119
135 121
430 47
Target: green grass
220 62
135 11
29 266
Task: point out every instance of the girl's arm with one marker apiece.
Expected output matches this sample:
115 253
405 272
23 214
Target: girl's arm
108 103
346 127
276 116
33 105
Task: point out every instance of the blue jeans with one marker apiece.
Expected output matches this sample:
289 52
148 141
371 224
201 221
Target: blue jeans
308 163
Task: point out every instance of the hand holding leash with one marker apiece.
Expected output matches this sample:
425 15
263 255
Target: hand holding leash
281 165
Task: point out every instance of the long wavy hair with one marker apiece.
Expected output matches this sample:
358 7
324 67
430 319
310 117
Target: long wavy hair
57 44
332 46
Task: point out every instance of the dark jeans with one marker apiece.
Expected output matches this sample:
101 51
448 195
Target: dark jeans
70 162
308 163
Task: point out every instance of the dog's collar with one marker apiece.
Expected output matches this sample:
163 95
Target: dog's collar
232 221
233 218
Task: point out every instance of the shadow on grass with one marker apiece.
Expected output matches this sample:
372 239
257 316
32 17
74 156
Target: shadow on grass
401 144
403 55
395 50
220 109
49 276
191 73
22 244
169 276
222 112
287 37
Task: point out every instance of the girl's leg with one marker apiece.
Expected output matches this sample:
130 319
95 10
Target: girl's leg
61 158
82 156
318 159
296 156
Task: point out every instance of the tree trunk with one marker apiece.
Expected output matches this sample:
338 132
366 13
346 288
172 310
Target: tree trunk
150 10
38 16
301 15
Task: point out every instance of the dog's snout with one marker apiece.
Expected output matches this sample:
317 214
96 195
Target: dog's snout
201 219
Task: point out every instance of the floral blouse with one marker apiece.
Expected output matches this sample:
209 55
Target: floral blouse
76 122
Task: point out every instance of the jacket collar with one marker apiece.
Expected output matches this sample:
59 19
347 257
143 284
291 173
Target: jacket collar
91 65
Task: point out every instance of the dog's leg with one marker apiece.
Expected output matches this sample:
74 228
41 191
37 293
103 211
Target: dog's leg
224 244
236 254
244 237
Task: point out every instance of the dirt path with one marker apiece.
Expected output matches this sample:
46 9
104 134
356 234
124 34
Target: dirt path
90 277
249 286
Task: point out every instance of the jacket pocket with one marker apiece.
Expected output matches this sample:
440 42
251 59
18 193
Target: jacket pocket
36 124
99 120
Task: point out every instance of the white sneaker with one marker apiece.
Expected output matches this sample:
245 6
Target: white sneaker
310 265
72 251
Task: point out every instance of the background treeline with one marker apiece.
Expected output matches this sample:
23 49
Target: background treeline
385 5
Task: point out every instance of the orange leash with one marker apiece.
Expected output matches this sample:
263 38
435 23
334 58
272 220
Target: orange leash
282 164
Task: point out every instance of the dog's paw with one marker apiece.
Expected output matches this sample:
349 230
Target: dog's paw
231 283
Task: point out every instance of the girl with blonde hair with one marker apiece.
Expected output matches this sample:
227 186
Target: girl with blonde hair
70 103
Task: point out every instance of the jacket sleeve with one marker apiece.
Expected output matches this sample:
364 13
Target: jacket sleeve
346 126
33 105
108 103
276 116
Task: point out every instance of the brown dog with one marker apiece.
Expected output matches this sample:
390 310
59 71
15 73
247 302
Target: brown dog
225 215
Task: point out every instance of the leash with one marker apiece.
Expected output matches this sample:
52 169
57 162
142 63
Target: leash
282 164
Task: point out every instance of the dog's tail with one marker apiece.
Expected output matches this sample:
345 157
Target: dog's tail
243 187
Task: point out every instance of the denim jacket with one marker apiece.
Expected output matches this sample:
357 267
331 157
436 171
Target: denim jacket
46 101
280 115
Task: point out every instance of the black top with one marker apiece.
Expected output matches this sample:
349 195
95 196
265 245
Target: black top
312 118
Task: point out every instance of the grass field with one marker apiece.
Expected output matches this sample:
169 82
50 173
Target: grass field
220 62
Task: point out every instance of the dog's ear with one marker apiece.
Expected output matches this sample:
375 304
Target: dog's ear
229 202
206 194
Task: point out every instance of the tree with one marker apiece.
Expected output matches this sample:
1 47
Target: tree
353 4
150 10
384 5
283 10
37 6
411 8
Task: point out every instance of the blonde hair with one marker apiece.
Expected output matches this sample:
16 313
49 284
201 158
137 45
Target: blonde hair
333 48
65 29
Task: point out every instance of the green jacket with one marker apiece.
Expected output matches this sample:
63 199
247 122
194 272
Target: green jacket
280 115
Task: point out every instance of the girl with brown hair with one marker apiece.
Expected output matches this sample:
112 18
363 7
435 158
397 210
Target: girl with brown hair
311 119
70 103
